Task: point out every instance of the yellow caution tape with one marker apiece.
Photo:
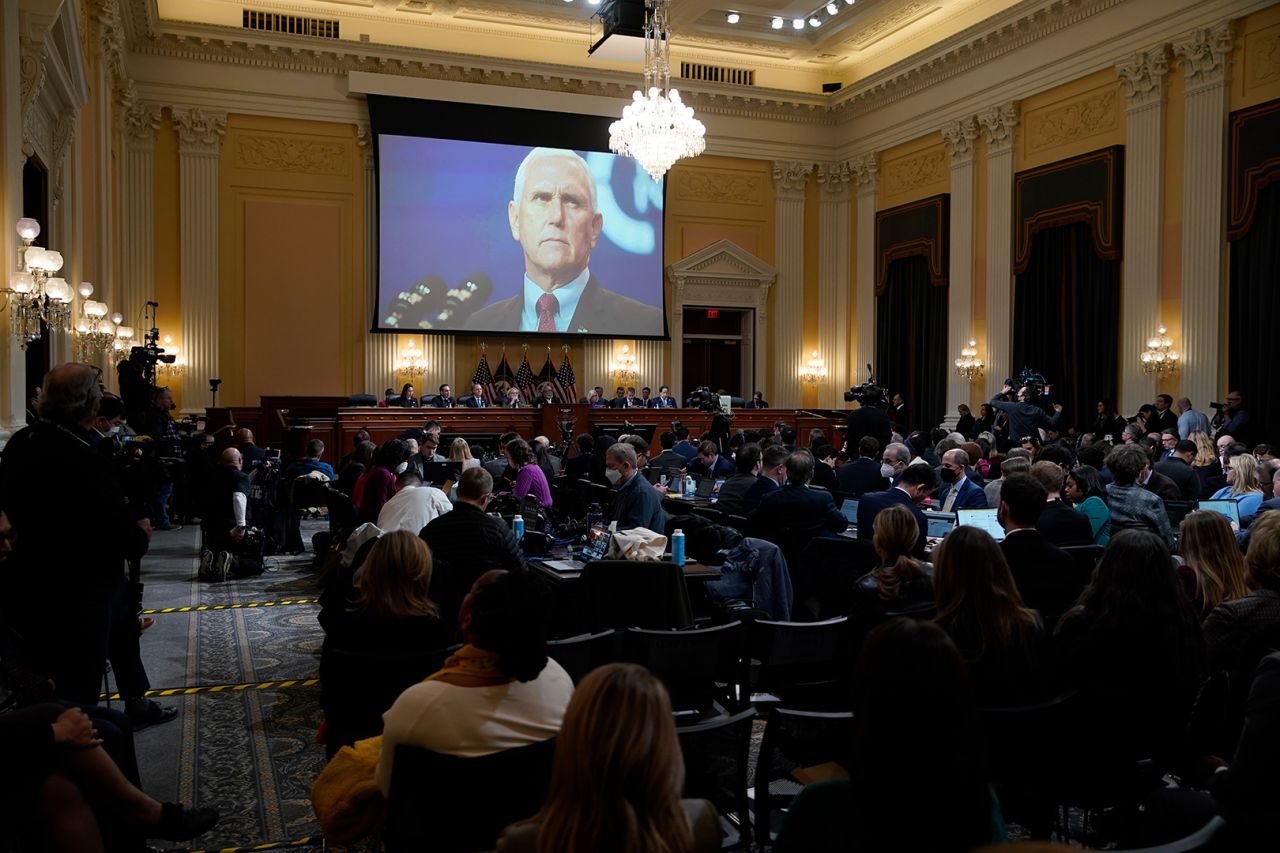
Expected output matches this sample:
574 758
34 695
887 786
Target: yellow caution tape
308 841
242 606
221 688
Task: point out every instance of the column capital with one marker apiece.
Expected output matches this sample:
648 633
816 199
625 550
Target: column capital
1143 77
834 178
959 137
789 177
1205 54
199 131
364 140
141 121
866 168
998 124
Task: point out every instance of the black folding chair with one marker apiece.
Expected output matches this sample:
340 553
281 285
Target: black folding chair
1086 558
448 803
631 594
716 755
794 740
802 664
357 688
699 667
583 653
824 574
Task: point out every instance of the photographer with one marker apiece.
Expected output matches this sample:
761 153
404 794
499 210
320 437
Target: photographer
1025 418
225 519
869 419
1235 420
162 430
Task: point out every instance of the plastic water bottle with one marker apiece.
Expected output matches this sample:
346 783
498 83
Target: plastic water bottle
690 489
677 548
517 526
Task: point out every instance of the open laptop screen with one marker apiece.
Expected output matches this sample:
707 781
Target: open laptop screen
984 518
1227 507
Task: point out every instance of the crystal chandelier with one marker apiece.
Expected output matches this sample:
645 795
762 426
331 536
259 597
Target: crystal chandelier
624 366
815 371
968 364
656 128
412 361
1160 357
35 294
95 332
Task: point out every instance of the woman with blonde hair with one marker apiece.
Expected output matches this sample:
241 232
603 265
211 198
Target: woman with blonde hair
900 581
1213 568
1206 463
617 775
460 451
1242 486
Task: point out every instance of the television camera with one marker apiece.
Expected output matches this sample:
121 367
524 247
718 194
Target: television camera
1038 388
869 393
703 399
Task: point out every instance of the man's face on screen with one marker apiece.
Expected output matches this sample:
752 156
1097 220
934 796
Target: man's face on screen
554 221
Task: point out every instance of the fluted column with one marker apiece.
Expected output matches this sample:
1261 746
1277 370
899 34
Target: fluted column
651 365
379 349
1143 78
593 366
866 169
789 179
441 367
1205 56
960 137
138 234
199 137
998 125
834 281
13 380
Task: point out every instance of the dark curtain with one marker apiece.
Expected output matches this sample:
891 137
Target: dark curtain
1066 320
911 340
1253 301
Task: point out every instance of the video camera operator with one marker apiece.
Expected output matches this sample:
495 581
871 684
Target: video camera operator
163 432
869 419
1024 417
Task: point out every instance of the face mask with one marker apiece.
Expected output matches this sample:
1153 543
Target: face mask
948 476
402 467
115 430
614 476
887 472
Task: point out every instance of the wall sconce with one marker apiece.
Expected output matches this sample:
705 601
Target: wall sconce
1159 357
968 364
624 366
815 371
178 367
412 361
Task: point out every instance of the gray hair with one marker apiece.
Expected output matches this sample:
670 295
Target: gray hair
899 451
959 457
621 452
517 193
70 393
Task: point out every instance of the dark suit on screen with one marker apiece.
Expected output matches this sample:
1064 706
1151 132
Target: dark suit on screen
598 310
870 505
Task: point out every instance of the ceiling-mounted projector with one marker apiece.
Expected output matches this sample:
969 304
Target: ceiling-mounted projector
622 38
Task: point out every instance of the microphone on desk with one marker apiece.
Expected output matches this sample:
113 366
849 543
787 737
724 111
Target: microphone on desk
464 300
413 308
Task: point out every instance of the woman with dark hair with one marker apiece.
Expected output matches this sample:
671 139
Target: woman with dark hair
407 400
986 420
360 461
499 691
1109 426
718 432
616 780
376 486
543 459
899 582
979 606
1133 649
530 478
964 424
1084 490
917 777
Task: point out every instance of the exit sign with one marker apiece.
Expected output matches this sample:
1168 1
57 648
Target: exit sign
713 313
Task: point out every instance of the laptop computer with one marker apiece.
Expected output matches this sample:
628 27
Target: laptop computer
708 486
1225 506
439 473
598 539
940 523
850 510
984 518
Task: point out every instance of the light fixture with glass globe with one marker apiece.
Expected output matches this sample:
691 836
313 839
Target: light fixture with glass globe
968 364
95 331
656 128
1160 357
35 294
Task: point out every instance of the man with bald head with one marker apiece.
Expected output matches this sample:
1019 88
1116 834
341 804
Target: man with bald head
251 454
226 514
554 217
73 528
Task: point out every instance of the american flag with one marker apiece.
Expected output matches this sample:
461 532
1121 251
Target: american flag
566 380
502 375
525 380
548 374
484 378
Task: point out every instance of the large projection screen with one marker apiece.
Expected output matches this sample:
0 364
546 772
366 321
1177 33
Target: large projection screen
481 235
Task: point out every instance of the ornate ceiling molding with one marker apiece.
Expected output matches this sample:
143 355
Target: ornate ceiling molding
1143 76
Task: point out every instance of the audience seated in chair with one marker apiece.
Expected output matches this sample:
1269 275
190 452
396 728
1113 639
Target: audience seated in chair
916 779
1131 505
1058 522
796 507
915 484
1088 496
637 503
1239 631
1001 640
857 477
617 776
958 490
1045 574
311 462
773 473
500 690
1213 570
900 582
1242 486
531 480
376 485
732 495
414 505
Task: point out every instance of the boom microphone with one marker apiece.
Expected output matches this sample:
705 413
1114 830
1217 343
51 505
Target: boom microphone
464 300
413 308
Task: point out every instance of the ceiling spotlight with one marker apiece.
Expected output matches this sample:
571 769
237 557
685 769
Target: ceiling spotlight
776 23
733 17
798 24
814 22
832 8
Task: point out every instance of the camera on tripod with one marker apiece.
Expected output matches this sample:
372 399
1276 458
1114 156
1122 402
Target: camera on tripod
868 393
702 399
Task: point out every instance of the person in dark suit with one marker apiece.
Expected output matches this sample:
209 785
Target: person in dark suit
857 477
796 506
916 483
1059 523
1162 487
824 472
900 414
637 503
1044 573
957 490
444 399
1178 469
966 421
406 400
578 466
710 463
773 473
664 400
631 401
668 458
553 215
757 401
867 419
1165 417
476 399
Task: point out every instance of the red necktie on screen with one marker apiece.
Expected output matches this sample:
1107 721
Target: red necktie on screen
547 307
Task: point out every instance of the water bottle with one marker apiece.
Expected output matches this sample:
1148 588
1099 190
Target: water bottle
677 548
690 488
517 525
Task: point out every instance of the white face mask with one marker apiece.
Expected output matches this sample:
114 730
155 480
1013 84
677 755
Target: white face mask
614 475
887 471
402 467
115 430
